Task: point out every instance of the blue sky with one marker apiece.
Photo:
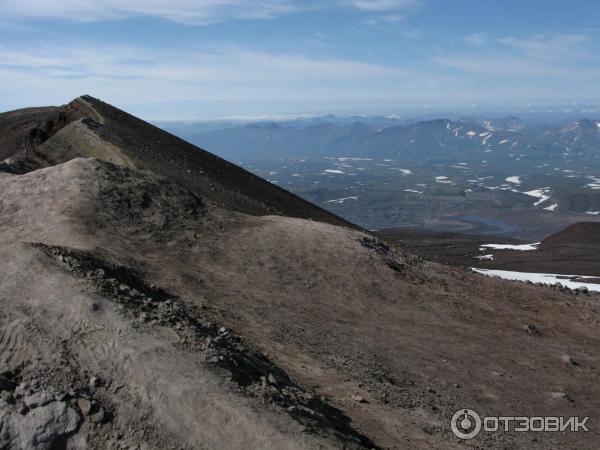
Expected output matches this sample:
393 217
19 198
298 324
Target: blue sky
183 59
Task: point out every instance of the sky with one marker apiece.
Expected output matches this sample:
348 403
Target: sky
192 59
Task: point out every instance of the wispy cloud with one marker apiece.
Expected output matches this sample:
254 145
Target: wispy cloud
227 63
191 12
223 74
385 19
194 12
551 48
564 57
324 36
380 5
477 39
13 26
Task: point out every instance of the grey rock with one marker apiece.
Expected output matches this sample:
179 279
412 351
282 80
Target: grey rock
41 427
272 379
359 399
21 390
38 399
85 405
569 361
263 381
98 416
8 397
5 436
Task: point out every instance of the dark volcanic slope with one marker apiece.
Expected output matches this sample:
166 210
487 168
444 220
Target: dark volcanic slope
128 140
582 234
27 127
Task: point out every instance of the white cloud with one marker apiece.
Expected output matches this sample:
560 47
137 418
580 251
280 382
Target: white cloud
566 57
227 63
221 75
380 5
551 48
385 19
502 66
197 12
192 12
476 39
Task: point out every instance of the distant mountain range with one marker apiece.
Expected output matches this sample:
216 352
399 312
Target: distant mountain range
465 139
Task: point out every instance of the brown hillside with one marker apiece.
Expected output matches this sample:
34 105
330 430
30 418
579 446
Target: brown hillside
579 234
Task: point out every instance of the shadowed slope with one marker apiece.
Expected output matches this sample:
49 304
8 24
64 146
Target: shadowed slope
582 234
91 128
28 127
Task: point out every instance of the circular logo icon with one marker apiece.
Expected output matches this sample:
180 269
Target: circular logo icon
465 424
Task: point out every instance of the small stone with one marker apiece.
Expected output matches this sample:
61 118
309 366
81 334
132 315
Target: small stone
8 397
271 379
532 329
85 406
559 396
21 390
359 399
95 382
570 361
98 416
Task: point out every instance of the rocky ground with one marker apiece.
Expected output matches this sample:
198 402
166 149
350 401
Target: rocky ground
137 313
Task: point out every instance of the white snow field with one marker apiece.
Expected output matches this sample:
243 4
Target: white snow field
544 278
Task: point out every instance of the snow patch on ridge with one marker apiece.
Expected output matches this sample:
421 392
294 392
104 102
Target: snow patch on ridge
541 194
544 278
339 201
521 247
